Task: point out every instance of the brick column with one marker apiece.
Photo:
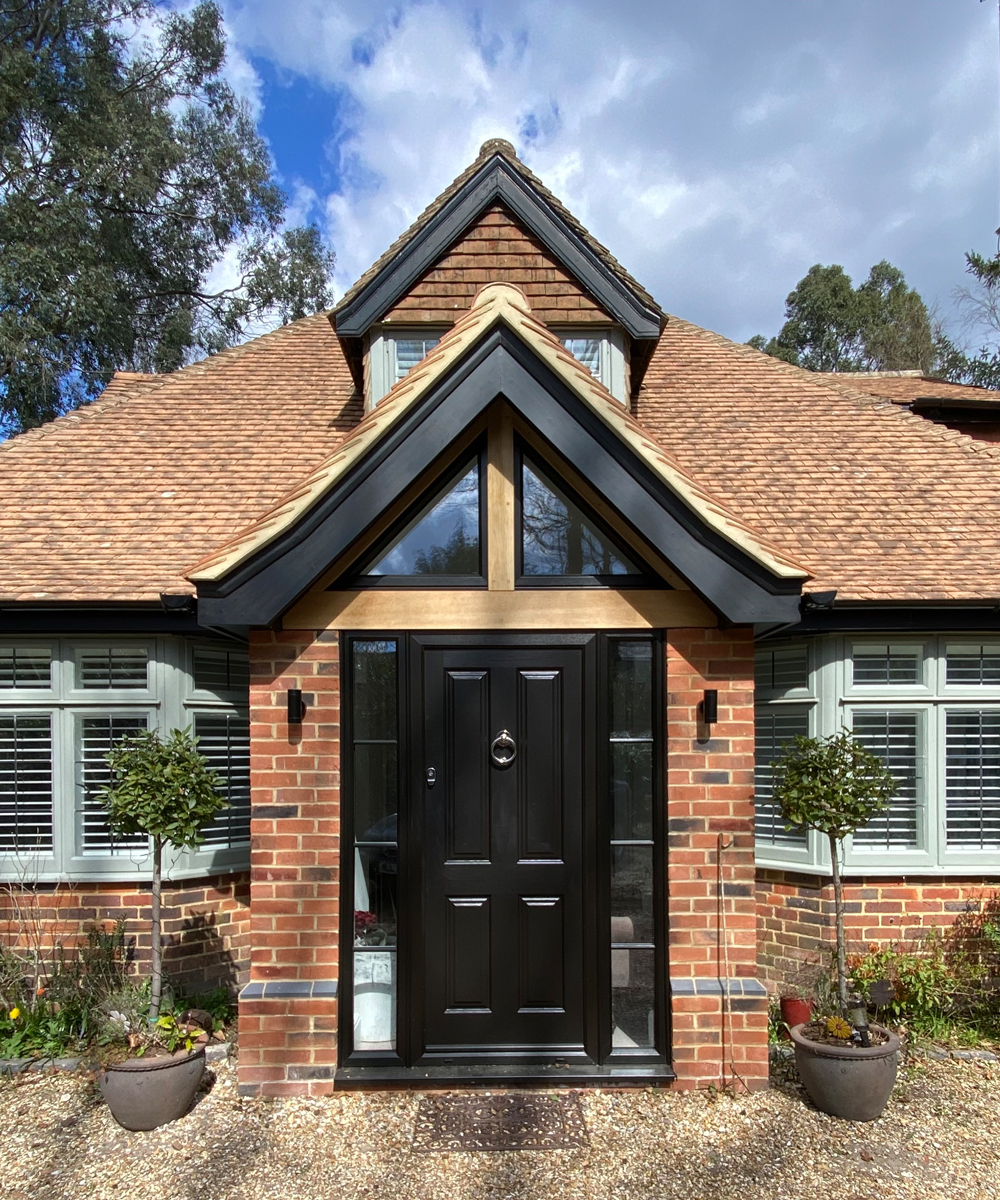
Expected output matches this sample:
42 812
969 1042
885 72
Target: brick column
719 1009
288 1011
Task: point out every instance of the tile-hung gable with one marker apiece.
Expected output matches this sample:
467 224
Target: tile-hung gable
489 542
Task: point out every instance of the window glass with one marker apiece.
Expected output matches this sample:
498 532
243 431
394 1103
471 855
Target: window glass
633 980
586 350
781 668
375 778
895 738
409 351
443 539
776 726
221 670
25 782
112 667
97 735
632 894
887 665
972 780
973 665
25 667
224 740
557 538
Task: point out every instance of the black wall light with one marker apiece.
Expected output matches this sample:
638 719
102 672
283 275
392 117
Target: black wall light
710 706
296 706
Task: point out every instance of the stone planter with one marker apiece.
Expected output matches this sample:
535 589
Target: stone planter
850 1082
143 1093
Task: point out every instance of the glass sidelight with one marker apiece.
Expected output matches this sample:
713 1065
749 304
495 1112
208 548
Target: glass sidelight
631 750
375 778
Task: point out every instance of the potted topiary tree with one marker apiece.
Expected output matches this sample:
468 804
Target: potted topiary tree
835 785
167 790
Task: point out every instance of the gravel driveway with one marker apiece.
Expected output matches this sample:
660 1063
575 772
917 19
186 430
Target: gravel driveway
937 1140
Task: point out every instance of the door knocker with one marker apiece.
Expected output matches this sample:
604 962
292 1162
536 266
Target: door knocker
502 749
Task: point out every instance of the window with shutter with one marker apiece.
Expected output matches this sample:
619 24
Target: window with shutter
972 780
887 665
781 669
224 740
26 823
221 670
975 665
112 667
775 727
896 738
25 667
97 734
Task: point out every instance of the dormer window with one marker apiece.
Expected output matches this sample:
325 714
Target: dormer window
602 352
393 355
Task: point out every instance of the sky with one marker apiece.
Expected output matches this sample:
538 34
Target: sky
717 148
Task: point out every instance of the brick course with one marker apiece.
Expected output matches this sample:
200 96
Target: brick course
796 917
206 923
497 249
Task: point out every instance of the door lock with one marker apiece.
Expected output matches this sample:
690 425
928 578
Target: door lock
431 776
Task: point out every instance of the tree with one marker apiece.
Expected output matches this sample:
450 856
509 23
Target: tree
979 303
167 790
830 325
128 170
833 785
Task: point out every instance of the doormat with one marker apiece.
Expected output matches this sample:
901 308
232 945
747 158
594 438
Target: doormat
507 1122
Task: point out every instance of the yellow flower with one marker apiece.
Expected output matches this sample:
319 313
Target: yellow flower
14 1014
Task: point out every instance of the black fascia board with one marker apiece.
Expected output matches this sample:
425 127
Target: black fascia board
496 181
898 618
86 618
501 366
956 403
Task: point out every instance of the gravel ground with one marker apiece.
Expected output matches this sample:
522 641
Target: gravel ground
937 1140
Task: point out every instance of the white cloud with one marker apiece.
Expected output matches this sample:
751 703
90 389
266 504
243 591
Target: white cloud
717 150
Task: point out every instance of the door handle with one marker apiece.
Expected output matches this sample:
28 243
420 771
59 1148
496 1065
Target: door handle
431 776
503 751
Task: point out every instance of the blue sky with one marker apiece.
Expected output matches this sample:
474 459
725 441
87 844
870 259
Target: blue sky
718 149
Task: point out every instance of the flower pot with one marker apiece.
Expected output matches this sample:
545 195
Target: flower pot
795 1011
851 1082
143 1093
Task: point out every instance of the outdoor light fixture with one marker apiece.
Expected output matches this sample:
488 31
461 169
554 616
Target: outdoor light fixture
296 706
710 706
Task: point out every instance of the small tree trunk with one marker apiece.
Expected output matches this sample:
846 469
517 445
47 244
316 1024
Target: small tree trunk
838 903
156 973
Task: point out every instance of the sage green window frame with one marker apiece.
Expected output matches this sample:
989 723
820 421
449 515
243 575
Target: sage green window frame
834 698
169 700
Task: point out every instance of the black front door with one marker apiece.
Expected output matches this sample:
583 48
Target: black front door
505 852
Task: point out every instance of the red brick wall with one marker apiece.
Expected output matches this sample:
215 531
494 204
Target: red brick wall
288 1046
498 250
710 812
796 921
206 923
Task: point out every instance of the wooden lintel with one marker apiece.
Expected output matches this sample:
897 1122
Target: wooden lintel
544 608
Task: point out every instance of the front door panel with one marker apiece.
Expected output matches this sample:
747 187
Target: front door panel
503 871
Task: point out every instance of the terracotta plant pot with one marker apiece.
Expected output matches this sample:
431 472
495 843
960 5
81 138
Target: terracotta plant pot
851 1082
795 1011
143 1093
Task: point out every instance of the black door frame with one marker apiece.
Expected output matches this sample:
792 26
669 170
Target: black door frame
363 1068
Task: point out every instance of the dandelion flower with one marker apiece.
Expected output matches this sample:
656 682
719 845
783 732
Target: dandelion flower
14 1014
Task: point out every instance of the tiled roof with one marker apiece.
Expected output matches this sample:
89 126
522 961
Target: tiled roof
114 501
497 146
874 500
497 303
903 387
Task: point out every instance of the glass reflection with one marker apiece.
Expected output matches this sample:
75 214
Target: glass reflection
633 974
557 539
632 791
632 894
443 539
631 665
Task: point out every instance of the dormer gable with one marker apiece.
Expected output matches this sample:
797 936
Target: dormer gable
497 223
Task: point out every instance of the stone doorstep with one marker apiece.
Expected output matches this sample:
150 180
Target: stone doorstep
214 1052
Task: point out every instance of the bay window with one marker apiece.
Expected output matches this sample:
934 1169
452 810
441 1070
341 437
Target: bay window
929 707
64 702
